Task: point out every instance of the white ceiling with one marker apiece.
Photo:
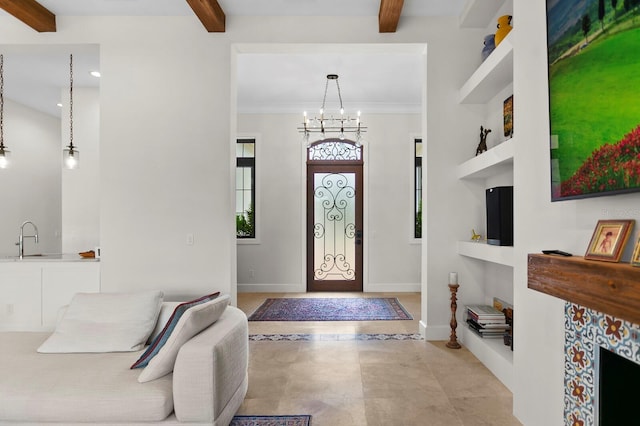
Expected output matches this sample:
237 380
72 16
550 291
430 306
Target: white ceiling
378 80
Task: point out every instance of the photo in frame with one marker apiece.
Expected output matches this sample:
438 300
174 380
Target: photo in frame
635 259
609 239
507 116
594 87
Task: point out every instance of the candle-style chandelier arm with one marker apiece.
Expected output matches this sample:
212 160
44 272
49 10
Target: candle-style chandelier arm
328 123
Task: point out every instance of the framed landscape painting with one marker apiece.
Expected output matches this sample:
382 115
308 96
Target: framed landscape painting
594 97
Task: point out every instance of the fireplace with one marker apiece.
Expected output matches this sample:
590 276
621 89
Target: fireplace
601 322
616 377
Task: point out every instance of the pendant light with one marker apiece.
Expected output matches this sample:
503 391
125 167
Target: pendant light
4 152
71 156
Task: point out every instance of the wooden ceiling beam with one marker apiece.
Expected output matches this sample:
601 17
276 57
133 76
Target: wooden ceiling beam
31 13
210 14
389 15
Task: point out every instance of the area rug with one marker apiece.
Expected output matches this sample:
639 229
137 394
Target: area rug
331 309
271 421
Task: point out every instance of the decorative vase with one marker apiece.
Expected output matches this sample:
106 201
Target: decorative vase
489 45
504 26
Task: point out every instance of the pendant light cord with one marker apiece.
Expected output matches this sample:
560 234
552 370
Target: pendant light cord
71 102
2 102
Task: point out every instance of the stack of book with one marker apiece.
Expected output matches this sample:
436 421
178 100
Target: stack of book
487 321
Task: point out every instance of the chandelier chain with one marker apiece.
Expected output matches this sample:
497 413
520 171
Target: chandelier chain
71 101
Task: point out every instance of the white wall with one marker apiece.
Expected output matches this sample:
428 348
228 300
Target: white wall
277 260
540 224
81 186
31 185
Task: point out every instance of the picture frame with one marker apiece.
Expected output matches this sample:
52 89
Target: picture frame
635 259
609 239
594 131
507 117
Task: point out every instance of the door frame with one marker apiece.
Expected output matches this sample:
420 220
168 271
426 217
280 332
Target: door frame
335 166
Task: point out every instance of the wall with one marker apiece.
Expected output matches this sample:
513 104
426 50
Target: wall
31 185
276 262
540 224
81 186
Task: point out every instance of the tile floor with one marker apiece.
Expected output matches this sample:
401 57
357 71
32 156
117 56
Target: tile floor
343 381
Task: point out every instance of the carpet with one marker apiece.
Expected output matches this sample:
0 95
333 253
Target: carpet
331 309
271 421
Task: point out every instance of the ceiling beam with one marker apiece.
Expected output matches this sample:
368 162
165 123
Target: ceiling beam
210 14
31 13
389 15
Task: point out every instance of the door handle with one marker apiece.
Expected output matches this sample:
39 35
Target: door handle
358 237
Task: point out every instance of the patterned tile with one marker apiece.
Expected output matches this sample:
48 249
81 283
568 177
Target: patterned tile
586 331
297 337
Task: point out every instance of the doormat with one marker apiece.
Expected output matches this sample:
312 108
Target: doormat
331 309
271 421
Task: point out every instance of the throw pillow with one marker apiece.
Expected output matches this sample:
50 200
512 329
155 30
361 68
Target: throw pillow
166 311
105 322
188 320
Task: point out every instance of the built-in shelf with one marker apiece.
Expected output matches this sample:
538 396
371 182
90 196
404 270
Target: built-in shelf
489 163
502 255
611 288
493 75
479 13
493 353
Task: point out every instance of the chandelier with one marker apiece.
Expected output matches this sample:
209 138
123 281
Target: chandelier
328 124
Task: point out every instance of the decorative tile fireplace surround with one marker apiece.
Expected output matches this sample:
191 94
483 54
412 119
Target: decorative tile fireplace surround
602 310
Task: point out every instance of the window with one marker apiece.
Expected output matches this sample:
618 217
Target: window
417 228
245 188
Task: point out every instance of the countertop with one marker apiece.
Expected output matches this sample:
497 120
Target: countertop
48 257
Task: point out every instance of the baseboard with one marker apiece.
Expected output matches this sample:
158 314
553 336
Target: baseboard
271 288
393 288
438 332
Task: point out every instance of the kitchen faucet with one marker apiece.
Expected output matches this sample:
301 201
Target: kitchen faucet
20 242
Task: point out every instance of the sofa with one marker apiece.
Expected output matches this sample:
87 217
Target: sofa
206 386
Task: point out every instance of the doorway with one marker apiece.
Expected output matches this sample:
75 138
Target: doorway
334 216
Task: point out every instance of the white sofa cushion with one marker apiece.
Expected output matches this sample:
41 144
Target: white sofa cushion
75 388
105 322
189 323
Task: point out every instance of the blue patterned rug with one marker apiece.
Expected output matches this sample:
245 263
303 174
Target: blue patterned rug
271 421
331 309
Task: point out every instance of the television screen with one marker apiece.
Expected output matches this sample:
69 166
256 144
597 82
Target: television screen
593 49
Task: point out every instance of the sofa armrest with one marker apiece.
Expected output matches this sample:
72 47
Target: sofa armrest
211 370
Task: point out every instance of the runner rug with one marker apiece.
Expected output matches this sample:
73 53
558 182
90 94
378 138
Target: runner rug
331 309
271 421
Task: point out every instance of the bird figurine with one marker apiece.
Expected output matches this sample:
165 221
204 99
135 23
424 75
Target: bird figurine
504 27
474 236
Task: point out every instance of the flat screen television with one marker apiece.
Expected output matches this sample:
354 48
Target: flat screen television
594 97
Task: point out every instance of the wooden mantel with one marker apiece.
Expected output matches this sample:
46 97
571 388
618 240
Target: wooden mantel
611 288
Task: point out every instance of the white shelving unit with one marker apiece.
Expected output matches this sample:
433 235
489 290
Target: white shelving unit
492 77
494 74
493 353
502 255
491 162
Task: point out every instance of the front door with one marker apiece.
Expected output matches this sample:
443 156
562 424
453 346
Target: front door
334 220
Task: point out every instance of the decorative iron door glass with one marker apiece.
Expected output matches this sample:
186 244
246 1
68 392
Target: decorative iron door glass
336 231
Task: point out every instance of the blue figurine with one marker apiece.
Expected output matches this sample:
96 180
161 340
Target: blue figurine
489 45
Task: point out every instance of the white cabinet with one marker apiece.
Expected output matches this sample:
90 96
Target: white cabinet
20 298
31 293
492 79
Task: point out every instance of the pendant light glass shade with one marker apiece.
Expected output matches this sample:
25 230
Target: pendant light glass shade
70 158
